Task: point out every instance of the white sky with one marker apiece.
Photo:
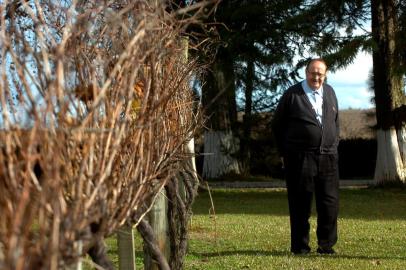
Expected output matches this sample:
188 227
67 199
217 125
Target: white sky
351 84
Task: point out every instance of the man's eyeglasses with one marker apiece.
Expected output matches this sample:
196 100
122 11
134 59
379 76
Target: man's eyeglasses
316 74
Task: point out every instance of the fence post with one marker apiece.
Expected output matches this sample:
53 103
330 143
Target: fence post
79 264
125 243
158 220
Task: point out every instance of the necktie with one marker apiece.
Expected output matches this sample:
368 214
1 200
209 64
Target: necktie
318 105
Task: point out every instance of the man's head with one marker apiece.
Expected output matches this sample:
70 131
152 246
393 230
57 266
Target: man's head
316 73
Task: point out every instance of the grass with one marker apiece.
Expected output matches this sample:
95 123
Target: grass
243 178
250 230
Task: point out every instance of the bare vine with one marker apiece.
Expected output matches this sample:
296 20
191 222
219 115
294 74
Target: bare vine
95 115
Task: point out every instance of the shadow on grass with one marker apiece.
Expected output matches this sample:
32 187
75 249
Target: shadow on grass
243 201
241 252
367 204
284 253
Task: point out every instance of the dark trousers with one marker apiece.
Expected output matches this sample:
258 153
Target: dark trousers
307 174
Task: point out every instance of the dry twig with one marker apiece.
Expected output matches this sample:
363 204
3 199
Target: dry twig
92 96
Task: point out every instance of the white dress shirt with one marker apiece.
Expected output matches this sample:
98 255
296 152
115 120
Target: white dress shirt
316 99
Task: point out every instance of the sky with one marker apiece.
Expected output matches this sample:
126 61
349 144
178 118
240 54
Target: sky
351 84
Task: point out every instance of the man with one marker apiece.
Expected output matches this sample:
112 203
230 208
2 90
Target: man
306 130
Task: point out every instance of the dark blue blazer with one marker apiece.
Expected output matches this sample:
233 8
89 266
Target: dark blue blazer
296 128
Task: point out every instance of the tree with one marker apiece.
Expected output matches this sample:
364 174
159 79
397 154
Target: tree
257 56
220 103
264 57
256 41
388 86
388 37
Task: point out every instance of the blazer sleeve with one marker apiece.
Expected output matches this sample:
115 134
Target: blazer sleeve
279 121
337 120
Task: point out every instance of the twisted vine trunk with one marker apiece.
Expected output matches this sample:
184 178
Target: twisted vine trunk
181 191
166 248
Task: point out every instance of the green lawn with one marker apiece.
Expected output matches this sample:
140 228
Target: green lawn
250 230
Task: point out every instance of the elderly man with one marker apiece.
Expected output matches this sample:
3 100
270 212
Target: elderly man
306 130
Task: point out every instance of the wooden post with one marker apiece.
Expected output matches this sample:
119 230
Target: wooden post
158 220
80 248
125 243
79 263
158 215
181 185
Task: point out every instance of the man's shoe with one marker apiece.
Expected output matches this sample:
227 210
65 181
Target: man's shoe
321 250
302 251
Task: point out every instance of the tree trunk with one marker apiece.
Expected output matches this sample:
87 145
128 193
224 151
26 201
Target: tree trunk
401 134
218 95
246 138
220 148
388 87
220 106
389 163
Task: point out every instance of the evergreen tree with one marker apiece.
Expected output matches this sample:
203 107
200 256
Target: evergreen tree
256 54
260 40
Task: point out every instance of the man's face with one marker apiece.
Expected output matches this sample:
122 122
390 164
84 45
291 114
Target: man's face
315 74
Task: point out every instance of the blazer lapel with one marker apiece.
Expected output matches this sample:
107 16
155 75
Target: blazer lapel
328 103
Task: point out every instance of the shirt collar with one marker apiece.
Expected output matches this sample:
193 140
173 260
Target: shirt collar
308 90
